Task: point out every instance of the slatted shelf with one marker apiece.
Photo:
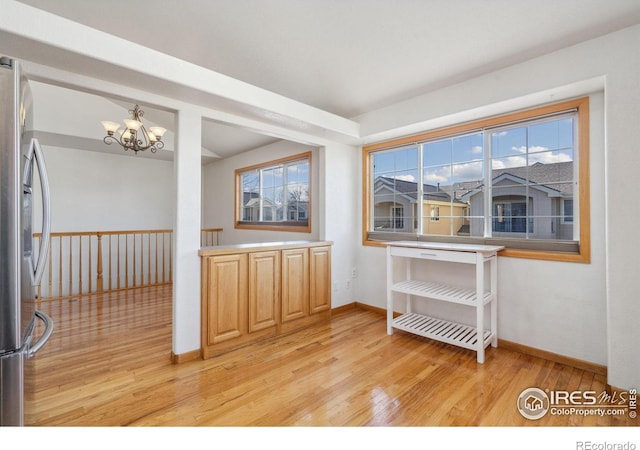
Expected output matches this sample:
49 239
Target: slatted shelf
440 291
442 330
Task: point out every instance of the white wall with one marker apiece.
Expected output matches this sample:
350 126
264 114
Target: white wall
93 191
586 311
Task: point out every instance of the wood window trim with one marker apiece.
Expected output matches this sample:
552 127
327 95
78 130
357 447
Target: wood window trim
271 226
581 105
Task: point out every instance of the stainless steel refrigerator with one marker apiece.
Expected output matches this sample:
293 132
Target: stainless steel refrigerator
20 273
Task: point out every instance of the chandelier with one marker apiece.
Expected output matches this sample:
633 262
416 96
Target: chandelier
134 136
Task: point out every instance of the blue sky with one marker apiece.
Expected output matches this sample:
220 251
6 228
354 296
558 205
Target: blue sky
461 158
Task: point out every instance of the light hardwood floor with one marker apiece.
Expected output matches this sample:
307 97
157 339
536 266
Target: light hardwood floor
108 363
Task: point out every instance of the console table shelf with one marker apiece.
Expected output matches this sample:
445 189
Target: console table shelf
462 335
441 330
440 291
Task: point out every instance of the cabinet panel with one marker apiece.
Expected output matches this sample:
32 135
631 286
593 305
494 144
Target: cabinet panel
227 297
264 290
319 279
295 284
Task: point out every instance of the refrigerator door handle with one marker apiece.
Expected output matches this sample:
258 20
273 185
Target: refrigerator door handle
35 151
48 330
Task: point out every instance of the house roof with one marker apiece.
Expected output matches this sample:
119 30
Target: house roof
554 177
410 188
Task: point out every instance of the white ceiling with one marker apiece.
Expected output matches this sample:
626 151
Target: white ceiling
348 57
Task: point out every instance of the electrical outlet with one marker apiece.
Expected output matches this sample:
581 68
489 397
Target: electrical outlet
348 285
354 273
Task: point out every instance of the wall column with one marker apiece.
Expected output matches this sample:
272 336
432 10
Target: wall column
339 216
186 233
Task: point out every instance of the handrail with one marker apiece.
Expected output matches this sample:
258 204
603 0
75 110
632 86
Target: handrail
86 262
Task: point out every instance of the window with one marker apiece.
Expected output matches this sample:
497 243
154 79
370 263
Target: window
567 210
398 217
435 213
275 195
519 180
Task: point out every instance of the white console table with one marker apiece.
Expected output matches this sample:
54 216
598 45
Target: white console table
471 337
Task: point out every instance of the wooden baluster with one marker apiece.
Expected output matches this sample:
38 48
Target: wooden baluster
50 289
80 266
90 271
126 261
110 285
135 274
157 280
99 281
60 267
163 258
70 293
118 265
171 259
148 259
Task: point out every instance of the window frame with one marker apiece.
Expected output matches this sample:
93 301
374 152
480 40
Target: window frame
523 248
285 225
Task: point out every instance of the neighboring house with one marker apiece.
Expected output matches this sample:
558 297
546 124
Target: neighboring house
538 199
251 207
297 210
395 208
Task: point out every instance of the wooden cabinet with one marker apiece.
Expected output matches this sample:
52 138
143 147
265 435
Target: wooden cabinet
225 278
320 279
252 292
295 284
264 290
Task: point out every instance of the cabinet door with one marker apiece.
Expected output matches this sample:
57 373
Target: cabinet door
264 290
295 284
319 279
226 298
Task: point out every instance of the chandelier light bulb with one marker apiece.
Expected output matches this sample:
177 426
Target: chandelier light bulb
110 127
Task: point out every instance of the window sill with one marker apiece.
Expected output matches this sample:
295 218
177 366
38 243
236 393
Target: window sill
581 254
285 226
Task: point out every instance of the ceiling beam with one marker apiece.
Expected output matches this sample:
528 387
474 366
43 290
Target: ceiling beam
34 35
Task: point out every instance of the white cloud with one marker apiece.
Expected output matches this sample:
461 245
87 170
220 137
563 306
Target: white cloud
476 149
440 175
549 158
410 178
505 163
468 171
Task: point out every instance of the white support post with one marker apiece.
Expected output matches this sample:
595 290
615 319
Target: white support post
389 291
480 306
494 303
186 262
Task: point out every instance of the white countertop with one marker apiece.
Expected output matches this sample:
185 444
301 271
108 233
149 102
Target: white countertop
478 248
